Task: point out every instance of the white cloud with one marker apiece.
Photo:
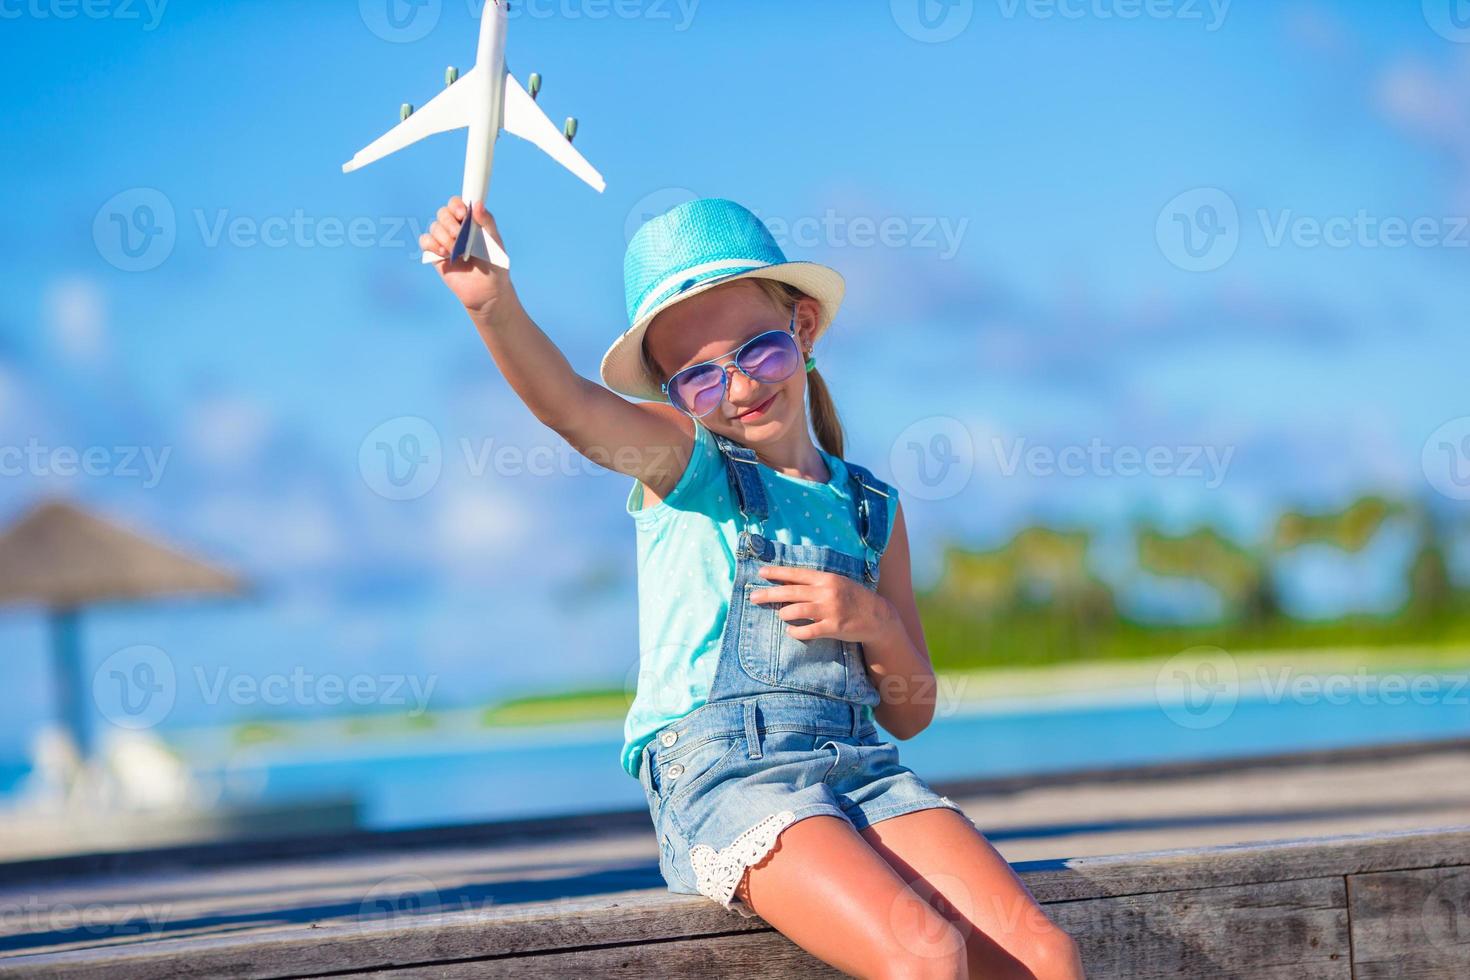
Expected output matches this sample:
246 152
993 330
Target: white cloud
77 319
472 526
228 432
1430 106
293 530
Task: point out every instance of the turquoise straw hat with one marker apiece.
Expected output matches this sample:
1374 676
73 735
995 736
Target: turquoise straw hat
687 250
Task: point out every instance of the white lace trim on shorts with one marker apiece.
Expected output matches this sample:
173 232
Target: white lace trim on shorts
718 873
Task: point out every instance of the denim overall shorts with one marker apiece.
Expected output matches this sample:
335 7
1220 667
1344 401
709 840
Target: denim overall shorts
782 734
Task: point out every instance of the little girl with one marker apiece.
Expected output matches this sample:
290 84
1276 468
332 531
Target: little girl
777 615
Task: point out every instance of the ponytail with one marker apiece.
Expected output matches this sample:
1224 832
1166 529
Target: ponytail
825 423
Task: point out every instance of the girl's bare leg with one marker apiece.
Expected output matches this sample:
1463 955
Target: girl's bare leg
826 890
945 859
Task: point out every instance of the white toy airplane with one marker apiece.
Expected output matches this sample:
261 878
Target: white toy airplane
487 99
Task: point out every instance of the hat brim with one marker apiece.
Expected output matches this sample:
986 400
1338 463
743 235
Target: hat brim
622 366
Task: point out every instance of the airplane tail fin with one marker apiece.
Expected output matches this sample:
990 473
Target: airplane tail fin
476 241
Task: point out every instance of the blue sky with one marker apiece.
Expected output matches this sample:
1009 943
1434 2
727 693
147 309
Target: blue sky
1026 293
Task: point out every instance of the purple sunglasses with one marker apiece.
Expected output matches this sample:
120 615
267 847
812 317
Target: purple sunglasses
766 358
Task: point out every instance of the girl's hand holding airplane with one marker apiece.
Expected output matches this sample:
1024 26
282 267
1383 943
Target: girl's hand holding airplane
484 289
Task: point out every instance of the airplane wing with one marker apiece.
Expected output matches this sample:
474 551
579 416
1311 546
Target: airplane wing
524 118
450 109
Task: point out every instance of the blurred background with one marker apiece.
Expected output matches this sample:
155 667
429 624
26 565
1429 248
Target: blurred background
1155 317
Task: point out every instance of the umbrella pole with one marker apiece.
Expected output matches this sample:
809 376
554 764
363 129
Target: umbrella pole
70 686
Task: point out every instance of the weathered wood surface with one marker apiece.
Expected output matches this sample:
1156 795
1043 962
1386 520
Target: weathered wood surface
1262 910
592 904
1409 924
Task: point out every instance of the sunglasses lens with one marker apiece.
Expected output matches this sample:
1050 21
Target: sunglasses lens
698 390
770 357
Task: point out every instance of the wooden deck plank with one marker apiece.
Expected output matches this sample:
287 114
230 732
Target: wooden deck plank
486 896
1256 882
1412 924
1292 930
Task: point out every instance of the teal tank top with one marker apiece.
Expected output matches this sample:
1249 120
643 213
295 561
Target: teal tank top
686 569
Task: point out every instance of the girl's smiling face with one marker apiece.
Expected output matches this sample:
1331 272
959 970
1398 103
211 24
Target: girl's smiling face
714 323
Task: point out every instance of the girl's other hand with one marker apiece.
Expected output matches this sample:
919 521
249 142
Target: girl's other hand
482 288
837 606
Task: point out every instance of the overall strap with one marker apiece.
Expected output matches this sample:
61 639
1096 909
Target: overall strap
743 469
871 495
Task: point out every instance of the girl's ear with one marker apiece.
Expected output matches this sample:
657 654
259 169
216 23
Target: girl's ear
808 310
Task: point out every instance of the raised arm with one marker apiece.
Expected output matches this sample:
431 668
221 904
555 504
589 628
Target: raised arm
651 441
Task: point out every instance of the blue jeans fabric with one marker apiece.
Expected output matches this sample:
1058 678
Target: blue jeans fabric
783 733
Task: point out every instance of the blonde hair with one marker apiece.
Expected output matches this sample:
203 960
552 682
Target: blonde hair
823 412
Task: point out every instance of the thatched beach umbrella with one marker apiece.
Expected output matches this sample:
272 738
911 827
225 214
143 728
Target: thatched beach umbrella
60 557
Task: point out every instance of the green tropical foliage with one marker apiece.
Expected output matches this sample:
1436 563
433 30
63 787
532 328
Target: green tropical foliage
1037 599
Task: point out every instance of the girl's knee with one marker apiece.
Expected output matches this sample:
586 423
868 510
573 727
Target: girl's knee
941 956
1053 955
